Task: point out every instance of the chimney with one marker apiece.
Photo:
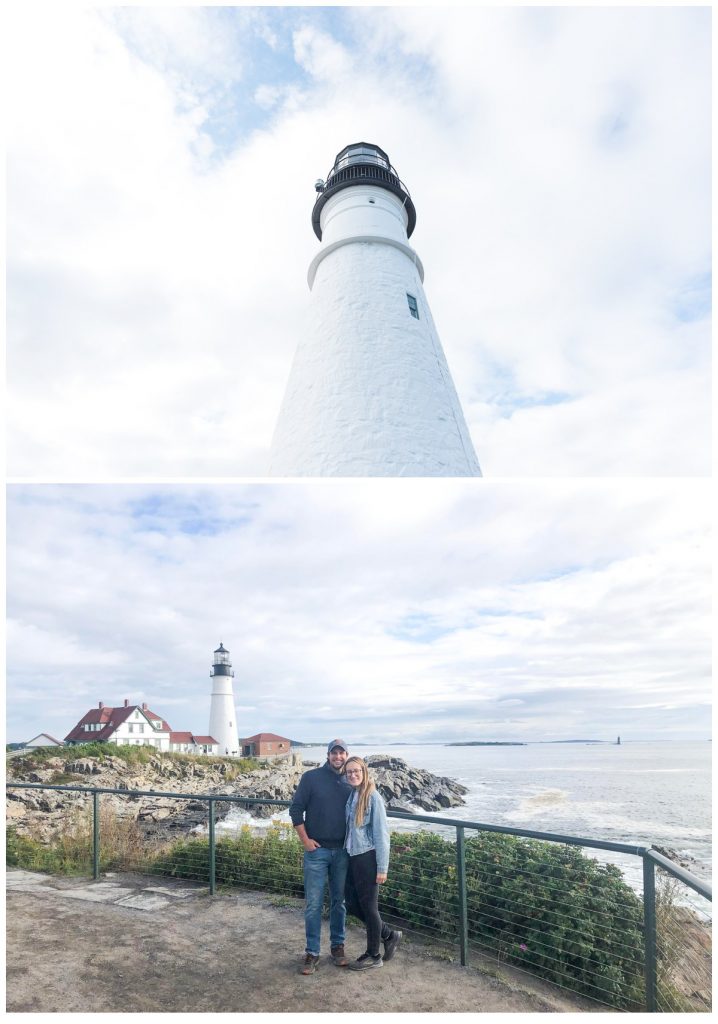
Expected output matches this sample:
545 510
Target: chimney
127 703
101 705
144 707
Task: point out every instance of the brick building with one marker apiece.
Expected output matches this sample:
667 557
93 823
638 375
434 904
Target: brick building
265 745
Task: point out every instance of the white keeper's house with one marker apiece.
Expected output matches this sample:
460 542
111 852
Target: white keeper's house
136 725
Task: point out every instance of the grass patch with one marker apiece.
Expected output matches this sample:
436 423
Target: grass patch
123 846
133 755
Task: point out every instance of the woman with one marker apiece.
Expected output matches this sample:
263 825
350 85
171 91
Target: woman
367 843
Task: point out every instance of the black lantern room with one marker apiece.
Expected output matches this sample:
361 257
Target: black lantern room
221 665
361 163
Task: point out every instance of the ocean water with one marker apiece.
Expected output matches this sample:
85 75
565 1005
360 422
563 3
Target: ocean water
638 793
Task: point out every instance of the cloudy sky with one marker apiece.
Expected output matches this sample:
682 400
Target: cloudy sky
381 610
161 170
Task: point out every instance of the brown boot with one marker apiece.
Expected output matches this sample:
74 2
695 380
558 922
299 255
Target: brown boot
309 964
339 956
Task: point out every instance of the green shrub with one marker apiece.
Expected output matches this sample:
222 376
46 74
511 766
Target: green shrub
547 908
271 862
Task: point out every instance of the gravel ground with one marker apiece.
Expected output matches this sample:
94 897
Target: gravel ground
131 943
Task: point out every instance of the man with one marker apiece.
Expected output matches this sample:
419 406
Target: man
318 815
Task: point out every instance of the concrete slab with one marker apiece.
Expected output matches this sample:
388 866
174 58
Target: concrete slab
20 875
28 886
25 887
99 892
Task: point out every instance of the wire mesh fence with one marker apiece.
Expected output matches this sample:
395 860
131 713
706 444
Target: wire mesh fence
539 905
684 944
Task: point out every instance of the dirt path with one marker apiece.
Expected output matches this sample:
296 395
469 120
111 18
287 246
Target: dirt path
132 943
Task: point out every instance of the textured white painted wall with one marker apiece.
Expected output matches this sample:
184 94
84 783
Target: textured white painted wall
222 712
370 392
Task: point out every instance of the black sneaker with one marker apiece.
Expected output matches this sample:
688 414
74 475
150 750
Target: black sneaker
390 945
365 962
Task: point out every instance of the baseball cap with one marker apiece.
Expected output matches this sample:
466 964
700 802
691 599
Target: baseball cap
337 743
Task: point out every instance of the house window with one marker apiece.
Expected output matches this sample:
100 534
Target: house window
130 727
142 728
413 307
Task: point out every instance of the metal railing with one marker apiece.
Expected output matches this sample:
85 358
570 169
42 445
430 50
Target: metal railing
559 915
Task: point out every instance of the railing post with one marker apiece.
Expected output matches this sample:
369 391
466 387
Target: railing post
649 933
212 879
461 885
95 834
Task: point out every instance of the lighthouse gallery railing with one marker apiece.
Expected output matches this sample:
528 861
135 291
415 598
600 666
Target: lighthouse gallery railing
668 970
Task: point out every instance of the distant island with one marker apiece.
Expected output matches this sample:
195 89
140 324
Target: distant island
486 743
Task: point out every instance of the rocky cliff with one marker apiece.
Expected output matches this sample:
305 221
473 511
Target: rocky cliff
46 813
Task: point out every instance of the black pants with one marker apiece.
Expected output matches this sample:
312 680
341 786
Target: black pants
362 899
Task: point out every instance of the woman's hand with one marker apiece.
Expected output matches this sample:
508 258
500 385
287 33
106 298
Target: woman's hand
380 879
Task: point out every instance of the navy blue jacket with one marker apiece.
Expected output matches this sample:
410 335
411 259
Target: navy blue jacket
319 803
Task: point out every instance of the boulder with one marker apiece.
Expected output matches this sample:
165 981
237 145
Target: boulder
403 786
85 766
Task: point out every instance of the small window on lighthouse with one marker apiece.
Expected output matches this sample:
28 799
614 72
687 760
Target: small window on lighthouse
413 308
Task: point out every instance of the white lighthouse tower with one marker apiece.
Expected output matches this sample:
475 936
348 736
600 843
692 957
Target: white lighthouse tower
222 715
369 393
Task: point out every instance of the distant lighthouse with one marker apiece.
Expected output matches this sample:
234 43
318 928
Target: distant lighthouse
222 714
370 392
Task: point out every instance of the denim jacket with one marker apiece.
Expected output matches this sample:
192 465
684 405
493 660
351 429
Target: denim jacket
372 834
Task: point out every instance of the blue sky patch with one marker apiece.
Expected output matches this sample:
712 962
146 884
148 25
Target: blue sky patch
693 301
418 628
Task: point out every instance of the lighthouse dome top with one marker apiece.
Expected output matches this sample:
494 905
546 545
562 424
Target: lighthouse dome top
221 649
361 163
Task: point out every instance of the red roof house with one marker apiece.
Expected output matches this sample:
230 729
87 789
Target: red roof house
136 725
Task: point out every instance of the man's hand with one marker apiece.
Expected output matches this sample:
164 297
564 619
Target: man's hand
380 879
309 844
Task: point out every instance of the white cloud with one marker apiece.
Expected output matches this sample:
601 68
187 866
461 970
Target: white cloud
321 56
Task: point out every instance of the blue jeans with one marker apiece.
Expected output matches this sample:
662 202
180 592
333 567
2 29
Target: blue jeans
319 865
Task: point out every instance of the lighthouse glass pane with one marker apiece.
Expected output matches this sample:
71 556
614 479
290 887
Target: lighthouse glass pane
361 155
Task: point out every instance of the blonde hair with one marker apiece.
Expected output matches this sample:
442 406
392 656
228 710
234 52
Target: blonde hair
364 791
